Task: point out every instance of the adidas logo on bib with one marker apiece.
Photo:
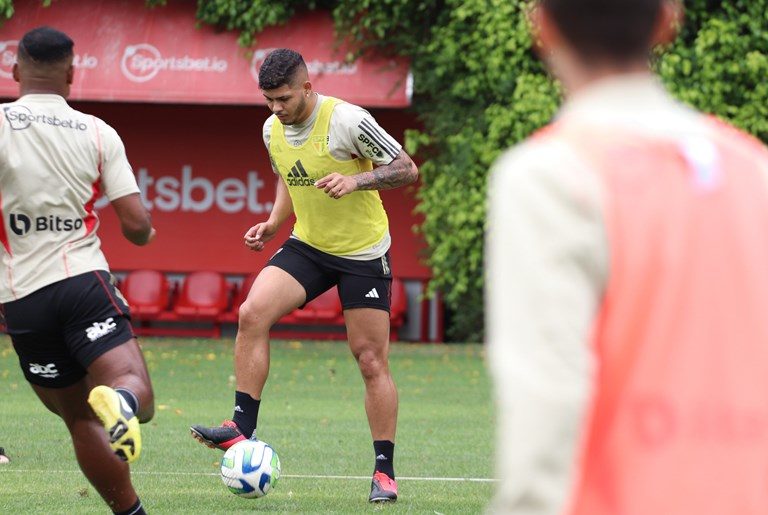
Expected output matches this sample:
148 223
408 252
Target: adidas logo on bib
298 176
373 294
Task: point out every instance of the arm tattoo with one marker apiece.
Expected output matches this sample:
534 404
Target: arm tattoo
399 172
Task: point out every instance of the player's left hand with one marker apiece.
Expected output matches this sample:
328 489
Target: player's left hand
337 185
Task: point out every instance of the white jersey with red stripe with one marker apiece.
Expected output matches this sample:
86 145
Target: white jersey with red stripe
55 162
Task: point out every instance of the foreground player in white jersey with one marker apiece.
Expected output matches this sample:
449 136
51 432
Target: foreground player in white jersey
68 323
324 151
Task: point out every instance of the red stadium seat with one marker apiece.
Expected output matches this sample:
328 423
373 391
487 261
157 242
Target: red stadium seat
399 303
322 318
201 303
246 287
398 308
203 296
323 310
230 316
147 293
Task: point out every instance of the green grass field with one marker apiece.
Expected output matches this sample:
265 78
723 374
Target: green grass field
312 414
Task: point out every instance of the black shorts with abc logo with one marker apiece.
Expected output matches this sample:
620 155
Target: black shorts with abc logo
361 284
60 329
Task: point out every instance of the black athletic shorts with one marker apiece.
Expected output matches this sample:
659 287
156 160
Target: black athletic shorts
362 284
60 329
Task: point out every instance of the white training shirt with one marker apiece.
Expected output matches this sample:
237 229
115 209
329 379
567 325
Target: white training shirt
353 133
547 263
54 163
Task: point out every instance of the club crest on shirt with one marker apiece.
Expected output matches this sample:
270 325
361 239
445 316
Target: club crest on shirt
318 144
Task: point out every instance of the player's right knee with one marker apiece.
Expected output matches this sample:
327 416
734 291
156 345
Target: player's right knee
371 364
252 316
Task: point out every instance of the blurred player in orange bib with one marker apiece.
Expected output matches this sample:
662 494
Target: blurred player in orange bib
627 288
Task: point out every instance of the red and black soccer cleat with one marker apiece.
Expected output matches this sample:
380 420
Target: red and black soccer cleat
383 488
221 437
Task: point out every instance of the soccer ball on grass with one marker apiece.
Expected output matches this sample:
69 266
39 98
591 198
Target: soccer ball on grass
250 469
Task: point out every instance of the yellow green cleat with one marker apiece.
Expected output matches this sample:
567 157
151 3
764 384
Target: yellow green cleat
119 421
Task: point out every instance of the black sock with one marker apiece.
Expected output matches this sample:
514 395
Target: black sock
246 413
130 398
136 509
385 454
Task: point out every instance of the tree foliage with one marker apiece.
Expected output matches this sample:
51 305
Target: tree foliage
479 89
720 62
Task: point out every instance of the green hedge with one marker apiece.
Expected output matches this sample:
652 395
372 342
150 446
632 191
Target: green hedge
480 89
720 63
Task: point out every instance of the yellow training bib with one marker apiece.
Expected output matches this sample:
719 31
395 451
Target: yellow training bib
342 226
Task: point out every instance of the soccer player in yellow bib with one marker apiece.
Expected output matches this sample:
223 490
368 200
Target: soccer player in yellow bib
324 151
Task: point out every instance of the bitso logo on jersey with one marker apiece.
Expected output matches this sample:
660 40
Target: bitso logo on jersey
22 224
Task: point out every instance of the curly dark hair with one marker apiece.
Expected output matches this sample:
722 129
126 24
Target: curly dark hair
280 68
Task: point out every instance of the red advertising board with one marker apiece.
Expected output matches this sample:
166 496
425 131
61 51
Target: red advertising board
128 52
193 129
206 178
